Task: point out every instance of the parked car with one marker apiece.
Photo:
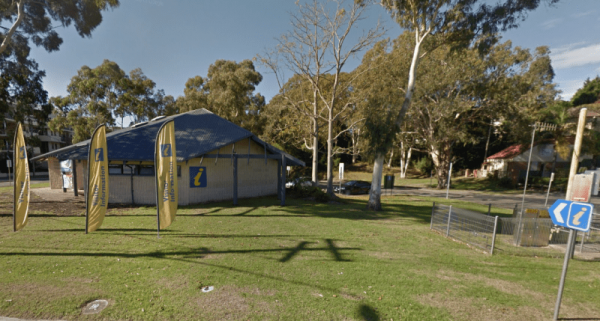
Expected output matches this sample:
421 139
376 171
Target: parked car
300 181
354 187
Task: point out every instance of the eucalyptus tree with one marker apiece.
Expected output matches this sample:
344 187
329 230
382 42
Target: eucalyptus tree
453 22
460 90
229 91
93 97
99 95
319 44
287 113
22 21
588 94
139 97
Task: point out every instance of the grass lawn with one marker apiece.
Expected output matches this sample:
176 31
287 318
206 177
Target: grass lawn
304 261
410 181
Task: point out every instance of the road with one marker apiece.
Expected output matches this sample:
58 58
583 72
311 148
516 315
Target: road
502 200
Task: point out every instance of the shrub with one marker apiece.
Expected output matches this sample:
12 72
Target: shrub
505 182
310 191
424 165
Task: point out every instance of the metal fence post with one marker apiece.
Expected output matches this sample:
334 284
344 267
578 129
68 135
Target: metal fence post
432 213
449 216
490 209
582 239
494 237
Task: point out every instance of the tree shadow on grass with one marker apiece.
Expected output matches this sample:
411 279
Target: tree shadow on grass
352 209
201 252
367 313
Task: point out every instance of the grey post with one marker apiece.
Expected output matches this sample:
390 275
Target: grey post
549 185
574 243
432 213
525 187
494 236
279 179
235 179
564 274
448 183
490 209
449 216
283 174
75 177
582 239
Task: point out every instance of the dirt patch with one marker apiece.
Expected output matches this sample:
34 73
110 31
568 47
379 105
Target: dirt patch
351 297
55 201
232 303
175 283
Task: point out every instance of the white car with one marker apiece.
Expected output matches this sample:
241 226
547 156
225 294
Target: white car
300 181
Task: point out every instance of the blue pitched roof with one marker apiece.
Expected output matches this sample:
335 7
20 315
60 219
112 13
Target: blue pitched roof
197 132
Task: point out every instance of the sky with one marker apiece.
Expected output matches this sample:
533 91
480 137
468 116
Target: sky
172 41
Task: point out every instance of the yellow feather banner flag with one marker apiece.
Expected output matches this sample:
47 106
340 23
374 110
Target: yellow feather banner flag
165 164
21 186
96 195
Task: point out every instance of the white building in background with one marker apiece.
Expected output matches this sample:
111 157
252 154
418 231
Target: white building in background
49 140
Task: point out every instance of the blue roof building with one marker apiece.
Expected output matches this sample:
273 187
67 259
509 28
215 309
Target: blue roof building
217 160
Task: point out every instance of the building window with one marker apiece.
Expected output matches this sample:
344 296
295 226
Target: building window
145 170
115 169
138 170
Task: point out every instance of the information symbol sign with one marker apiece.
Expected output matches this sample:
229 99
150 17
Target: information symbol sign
580 216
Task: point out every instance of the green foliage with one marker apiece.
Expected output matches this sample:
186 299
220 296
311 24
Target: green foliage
35 21
424 165
589 93
228 91
310 192
97 96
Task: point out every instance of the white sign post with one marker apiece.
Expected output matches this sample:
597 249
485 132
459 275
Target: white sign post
341 175
549 184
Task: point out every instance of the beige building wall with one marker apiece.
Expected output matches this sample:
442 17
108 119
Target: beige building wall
254 179
55 175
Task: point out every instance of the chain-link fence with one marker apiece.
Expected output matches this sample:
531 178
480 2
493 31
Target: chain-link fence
530 232
467 226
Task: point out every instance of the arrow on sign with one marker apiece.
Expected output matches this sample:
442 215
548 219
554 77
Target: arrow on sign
557 213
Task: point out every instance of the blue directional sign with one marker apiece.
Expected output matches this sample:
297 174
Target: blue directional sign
574 215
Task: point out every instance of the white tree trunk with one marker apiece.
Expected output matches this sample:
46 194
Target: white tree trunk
389 164
355 141
11 31
330 153
405 105
315 149
404 159
375 193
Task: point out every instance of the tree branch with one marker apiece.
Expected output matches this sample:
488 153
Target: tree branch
11 31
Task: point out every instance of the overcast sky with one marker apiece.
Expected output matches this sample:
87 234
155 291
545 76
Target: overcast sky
172 41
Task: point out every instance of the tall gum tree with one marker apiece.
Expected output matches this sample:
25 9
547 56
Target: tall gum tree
229 91
317 45
453 22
